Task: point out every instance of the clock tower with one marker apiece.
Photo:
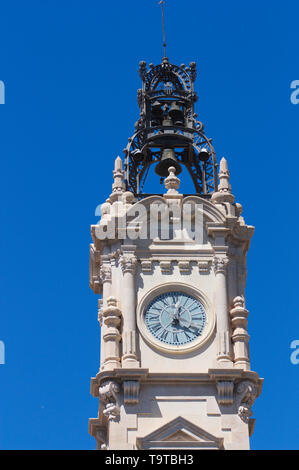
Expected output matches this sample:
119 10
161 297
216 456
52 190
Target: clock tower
170 269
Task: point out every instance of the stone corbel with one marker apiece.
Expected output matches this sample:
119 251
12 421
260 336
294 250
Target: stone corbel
108 393
165 267
184 266
131 392
146 266
94 262
225 391
246 393
99 432
204 266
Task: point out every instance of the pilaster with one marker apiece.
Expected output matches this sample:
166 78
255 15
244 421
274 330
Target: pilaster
220 264
128 263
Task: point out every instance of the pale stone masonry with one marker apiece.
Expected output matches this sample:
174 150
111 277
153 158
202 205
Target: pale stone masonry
154 394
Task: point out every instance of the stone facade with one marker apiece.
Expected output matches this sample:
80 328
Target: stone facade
151 395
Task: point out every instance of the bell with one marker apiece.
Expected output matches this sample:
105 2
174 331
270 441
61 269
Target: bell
167 160
204 155
167 121
176 114
156 110
157 113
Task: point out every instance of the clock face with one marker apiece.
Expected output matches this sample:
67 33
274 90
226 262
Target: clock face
175 318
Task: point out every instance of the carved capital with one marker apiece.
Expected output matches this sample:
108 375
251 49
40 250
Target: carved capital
108 393
128 263
105 272
220 264
246 393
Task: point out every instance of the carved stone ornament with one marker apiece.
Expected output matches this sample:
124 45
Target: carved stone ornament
131 392
105 273
225 391
184 266
146 266
108 393
204 266
100 312
128 263
172 182
101 438
246 394
220 264
165 266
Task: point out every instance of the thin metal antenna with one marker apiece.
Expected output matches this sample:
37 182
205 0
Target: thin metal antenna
163 26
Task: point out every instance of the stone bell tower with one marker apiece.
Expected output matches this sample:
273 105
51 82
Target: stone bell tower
171 271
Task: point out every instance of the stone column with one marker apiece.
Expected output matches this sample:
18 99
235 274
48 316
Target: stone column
111 337
106 279
128 262
221 306
240 337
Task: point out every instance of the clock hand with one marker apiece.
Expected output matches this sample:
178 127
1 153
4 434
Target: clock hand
192 324
168 324
177 307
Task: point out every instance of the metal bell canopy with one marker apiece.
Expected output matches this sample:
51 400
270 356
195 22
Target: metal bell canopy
167 132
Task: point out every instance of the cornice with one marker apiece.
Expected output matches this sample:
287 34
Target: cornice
212 376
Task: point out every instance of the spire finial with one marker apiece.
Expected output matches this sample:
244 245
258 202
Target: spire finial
223 193
163 27
118 187
172 182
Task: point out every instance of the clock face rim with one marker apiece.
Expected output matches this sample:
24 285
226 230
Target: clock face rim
152 341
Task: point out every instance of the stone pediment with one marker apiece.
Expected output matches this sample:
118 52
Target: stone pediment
180 434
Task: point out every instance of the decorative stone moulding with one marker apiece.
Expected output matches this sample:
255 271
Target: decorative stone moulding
100 312
131 392
165 266
225 391
184 266
220 264
204 266
105 273
246 393
108 393
128 263
94 263
240 337
112 336
146 266
99 432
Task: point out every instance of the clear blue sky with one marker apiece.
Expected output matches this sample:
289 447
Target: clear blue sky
70 71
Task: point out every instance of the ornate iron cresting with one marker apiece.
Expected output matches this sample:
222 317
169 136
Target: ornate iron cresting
168 123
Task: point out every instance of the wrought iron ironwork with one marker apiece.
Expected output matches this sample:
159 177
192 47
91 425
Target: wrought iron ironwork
167 121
